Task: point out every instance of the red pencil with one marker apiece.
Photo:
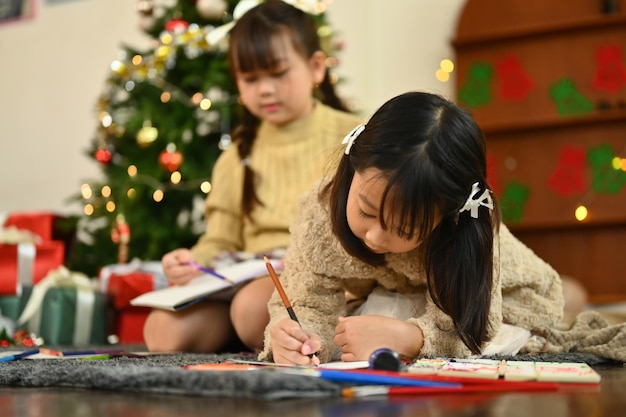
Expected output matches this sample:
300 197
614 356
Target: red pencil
365 391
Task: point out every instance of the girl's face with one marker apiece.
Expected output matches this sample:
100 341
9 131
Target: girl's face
363 212
282 94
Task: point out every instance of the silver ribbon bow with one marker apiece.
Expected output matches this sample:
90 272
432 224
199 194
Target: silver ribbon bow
472 204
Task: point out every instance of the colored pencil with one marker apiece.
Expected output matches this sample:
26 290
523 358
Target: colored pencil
283 295
371 390
370 378
17 356
111 353
280 290
210 271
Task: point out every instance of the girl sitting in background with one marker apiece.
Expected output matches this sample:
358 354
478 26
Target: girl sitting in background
286 141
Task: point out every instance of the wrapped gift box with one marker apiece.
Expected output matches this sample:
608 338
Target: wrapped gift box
12 306
72 317
27 263
39 223
123 288
123 282
129 324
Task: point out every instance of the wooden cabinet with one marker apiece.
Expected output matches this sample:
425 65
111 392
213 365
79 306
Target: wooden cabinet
546 81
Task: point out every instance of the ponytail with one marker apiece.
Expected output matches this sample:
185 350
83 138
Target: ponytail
459 264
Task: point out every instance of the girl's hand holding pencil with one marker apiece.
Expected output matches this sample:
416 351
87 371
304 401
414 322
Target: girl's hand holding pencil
290 342
177 267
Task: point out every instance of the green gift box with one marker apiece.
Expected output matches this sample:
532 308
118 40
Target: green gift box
11 306
72 317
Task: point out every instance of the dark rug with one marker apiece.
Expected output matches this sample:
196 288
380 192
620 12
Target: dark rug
165 374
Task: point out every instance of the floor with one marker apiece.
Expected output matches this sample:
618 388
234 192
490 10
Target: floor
608 399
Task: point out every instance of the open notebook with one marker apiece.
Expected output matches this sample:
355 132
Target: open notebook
206 286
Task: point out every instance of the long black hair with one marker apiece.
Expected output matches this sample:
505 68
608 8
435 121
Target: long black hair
251 48
431 152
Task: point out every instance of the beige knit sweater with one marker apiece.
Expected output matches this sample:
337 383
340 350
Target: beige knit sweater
527 292
287 161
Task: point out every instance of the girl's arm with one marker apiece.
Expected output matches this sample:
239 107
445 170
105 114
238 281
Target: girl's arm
317 297
532 290
223 218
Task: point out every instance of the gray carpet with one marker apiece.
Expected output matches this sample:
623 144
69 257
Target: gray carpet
164 374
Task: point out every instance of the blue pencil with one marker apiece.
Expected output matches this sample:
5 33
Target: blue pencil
115 352
17 356
364 378
370 378
210 272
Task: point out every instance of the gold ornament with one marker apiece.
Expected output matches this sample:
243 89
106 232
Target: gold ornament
147 134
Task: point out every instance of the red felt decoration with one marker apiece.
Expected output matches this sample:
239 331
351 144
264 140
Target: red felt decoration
513 82
568 177
610 71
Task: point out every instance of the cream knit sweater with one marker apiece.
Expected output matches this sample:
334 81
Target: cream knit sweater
527 292
287 161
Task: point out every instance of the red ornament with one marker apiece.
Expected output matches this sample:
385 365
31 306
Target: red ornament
103 156
171 161
176 25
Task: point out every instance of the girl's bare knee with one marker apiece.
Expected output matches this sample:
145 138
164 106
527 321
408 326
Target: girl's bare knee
160 332
249 314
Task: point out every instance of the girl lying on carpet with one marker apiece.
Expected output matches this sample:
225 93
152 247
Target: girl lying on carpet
408 222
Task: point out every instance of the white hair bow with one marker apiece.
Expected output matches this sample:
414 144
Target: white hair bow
473 204
351 137
219 33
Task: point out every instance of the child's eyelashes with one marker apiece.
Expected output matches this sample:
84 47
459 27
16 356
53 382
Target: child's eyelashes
251 78
365 215
404 235
279 74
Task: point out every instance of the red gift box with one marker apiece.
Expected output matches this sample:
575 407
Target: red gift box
124 287
48 255
123 282
40 223
129 324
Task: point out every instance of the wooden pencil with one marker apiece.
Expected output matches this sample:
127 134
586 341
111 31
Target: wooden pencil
283 295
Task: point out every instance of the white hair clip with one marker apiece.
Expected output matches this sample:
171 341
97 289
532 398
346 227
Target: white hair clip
351 137
472 204
219 33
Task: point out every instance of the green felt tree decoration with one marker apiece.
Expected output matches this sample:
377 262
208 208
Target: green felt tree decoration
476 91
608 177
568 100
513 200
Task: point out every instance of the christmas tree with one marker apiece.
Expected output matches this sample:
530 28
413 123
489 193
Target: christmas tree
162 120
